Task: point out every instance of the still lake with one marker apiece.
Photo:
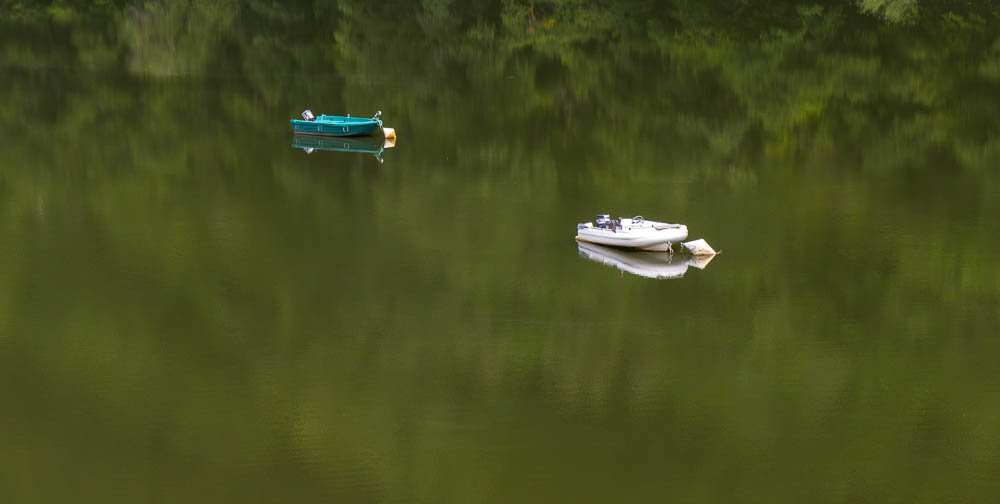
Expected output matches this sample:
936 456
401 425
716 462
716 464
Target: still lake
192 309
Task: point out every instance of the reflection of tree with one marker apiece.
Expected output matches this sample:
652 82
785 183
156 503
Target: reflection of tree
892 10
177 38
817 73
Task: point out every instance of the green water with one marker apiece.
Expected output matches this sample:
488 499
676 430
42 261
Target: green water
193 310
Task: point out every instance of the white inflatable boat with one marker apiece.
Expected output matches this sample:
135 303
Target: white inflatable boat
634 233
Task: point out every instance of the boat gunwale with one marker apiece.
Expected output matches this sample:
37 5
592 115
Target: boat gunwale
325 134
341 119
631 234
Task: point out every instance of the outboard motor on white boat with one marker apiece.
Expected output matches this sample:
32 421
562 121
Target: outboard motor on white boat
308 115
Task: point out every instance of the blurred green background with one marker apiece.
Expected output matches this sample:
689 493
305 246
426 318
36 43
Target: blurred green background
192 310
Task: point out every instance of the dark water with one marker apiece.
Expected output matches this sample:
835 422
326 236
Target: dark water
193 310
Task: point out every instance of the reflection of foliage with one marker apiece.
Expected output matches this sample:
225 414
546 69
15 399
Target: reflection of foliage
810 72
177 37
897 11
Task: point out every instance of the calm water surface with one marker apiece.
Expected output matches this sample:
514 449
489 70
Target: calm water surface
194 310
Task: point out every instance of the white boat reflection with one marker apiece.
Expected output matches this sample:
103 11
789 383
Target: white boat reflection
645 264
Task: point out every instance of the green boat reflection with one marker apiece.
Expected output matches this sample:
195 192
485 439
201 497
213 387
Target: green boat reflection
365 145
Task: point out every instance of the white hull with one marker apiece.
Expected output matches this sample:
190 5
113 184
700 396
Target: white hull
647 235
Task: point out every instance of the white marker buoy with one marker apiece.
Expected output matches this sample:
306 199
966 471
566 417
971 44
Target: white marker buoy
699 247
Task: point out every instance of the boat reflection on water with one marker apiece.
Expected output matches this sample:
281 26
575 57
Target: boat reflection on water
366 145
645 264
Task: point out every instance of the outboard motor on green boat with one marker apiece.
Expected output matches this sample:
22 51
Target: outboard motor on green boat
308 115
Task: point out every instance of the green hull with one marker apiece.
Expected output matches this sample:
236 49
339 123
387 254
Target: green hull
337 126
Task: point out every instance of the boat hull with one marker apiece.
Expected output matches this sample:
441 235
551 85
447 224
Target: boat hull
348 127
645 239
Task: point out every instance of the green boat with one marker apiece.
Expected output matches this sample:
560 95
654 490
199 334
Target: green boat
337 126
364 145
